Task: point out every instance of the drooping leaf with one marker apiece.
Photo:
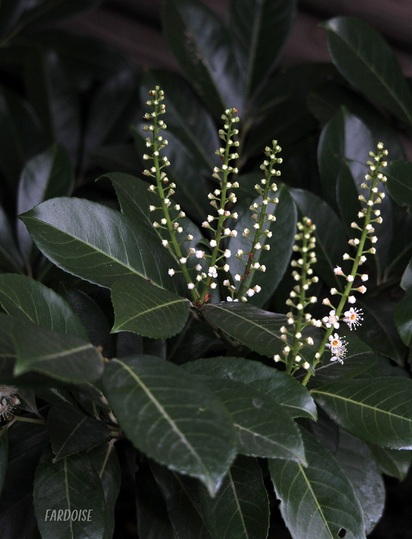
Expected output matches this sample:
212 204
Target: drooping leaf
284 389
104 460
146 309
281 242
45 176
27 299
367 62
171 417
180 494
72 431
264 428
96 243
260 29
70 484
378 410
53 96
4 453
206 54
317 500
255 328
241 507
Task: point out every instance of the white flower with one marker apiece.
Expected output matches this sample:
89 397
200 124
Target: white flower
8 401
331 321
337 348
199 254
353 317
171 272
338 271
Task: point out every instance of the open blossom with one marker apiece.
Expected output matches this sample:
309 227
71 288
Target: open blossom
353 317
331 321
337 348
8 401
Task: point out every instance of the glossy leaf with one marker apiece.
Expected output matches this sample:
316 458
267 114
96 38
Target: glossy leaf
171 417
255 328
392 462
27 299
45 176
241 507
269 381
147 310
104 244
367 62
260 29
378 410
206 55
282 240
399 183
264 428
71 484
104 460
317 501
71 431
4 453
403 318
52 94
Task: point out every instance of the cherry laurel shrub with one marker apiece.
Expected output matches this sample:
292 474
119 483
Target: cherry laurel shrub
220 348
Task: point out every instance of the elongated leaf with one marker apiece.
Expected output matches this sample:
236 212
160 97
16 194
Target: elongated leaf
58 355
255 328
72 486
206 54
104 460
283 388
317 501
241 507
367 62
52 94
378 410
264 428
399 183
260 29
4 453
71 431
147 310
171 417
45 176
281 242
96 243
180 494
27 299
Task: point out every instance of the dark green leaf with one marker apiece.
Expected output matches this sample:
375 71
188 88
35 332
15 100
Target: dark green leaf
147 310
368 63
402 316
71 431
104 460
406 282
206 54
399 183
278 385
255 328
317 501
45 176
241 507
4 455
260 29
281 243
70 485
27 299
21 135
171 417
97 243
378 410
392 461
264 427
51 92
10 258
180 494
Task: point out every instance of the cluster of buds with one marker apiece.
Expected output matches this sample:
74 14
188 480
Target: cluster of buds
258 238
8 401
298 319
343 310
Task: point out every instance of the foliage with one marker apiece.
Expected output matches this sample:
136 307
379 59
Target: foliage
171 332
